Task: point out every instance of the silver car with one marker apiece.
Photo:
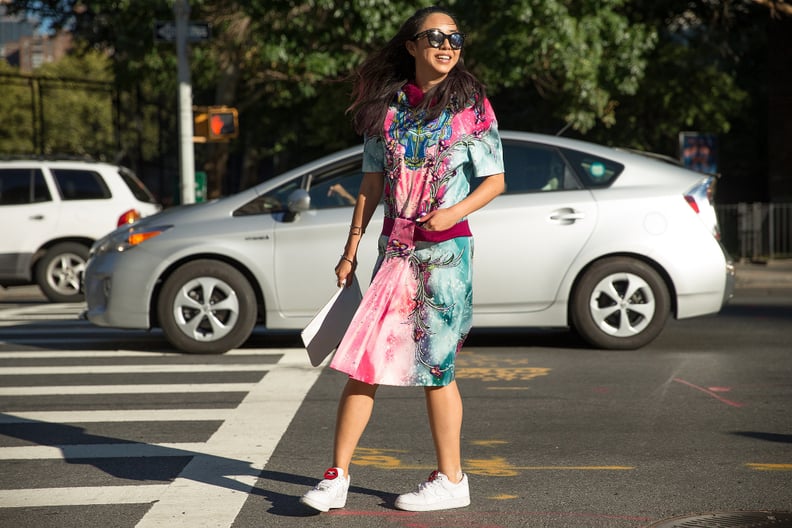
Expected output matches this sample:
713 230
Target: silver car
605 241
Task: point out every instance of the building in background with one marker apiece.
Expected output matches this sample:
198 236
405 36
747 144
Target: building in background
23 47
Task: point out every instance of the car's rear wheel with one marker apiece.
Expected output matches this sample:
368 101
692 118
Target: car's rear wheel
620 303
206 307
59 272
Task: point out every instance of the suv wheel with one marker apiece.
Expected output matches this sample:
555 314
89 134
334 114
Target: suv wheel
620 303
207 307
60 270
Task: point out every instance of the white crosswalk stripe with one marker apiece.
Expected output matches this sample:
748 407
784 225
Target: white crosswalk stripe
209 491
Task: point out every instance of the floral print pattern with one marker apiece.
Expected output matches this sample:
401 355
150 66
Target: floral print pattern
417 312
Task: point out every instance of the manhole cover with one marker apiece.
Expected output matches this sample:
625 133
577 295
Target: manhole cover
728 520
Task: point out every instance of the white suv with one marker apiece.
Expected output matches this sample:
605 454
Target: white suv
51 212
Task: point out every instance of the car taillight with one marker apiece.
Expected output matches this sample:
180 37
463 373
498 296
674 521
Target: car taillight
692 203
129 217
700 198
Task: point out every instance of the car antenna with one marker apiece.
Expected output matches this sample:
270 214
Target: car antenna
563 129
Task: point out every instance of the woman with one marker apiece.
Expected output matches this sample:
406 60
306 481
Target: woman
428 129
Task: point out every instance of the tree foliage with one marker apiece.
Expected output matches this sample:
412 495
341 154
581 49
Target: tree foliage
633 72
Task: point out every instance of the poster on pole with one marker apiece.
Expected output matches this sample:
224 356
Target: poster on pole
698 151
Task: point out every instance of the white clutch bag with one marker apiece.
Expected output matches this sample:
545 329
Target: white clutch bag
327 328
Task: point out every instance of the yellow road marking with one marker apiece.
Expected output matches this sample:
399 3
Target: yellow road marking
770 467
488 443
488 467
503 496
501 374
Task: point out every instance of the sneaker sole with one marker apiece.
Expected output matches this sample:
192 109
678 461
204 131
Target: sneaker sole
322 507
459 502
315 505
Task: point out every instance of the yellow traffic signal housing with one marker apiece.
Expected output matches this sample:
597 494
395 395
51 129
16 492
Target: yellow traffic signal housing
216 123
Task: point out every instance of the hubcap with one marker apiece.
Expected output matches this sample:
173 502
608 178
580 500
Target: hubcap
64 273
206 309
622 304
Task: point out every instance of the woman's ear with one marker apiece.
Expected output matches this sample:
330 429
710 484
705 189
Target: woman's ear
410 45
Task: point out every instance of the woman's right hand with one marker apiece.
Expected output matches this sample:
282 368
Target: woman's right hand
344 270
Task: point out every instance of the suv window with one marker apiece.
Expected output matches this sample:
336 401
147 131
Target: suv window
78 184
136 186
23 186
536 168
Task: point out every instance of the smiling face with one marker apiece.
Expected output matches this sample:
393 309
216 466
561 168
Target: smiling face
432 65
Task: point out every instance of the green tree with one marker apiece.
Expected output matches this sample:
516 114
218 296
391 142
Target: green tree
16 107
77 117
574 58
630 72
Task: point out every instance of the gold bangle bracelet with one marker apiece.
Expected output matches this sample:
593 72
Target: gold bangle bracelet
356 230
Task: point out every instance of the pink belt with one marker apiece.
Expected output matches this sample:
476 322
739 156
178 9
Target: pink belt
462 229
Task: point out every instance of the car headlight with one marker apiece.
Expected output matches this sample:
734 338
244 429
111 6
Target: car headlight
126 238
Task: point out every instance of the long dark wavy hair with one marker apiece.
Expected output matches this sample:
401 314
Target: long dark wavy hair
381 76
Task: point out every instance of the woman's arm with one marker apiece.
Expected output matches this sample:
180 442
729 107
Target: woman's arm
442 219
368 198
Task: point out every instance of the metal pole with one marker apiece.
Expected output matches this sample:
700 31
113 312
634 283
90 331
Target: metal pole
181 10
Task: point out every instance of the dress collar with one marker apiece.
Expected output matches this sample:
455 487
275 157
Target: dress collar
414 94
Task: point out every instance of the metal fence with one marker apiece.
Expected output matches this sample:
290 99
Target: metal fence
756 231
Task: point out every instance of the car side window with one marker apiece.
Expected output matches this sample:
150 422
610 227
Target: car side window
76 184
336 188
595 172
275 201
23 186
530 167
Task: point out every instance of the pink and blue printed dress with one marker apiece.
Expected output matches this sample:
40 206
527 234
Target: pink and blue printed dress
417 311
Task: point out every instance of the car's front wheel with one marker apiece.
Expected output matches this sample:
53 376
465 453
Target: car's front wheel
620 303
60 270
206 307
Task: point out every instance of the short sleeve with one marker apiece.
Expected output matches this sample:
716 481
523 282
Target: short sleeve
373 154
486 151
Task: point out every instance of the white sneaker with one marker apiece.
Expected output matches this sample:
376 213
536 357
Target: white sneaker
329 493
437 493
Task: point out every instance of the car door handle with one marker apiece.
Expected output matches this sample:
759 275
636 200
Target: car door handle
567 215
37 217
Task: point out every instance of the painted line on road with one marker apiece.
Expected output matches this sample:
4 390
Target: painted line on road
489 467
83 451
126 389
131 369
709 392
49 354
132 415
769 467
211 490
44 497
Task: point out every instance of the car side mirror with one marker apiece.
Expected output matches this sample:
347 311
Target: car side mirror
299 201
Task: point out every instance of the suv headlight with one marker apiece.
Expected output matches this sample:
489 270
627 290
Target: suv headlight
126 238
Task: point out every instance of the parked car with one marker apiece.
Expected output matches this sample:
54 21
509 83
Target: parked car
52 211
604 241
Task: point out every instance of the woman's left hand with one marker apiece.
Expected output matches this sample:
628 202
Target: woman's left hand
438 220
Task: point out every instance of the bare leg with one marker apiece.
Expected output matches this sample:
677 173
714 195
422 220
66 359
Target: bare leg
444 405
354 411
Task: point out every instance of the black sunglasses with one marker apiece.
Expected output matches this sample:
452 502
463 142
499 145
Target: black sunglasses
435 37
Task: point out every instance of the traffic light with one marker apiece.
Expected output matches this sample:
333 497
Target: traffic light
216 123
